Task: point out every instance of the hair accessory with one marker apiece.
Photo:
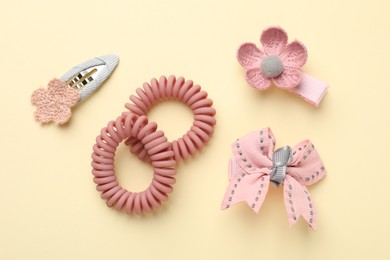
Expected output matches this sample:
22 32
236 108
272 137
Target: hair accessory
55 102
280 63
189 94
255 164
158 149
150 145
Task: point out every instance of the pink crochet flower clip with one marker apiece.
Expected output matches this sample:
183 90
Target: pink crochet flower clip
280 63
55 102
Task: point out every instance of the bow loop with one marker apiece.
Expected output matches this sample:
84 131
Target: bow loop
254 151
306 165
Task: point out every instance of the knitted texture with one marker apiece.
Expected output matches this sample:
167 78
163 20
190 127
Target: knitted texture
292 57
251 168
280 63
55 102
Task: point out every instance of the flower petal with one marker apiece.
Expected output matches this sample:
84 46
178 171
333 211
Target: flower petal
274 40
70 97
56 85
290 78
256 79
41 115
62 115
249 56
38 96
295 55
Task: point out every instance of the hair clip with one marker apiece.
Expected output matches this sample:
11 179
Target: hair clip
149 144
255 164
55 102
280 63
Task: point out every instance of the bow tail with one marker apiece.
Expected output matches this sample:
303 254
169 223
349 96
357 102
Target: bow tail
298 202
250 188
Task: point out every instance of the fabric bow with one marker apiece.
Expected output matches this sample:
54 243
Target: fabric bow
255 164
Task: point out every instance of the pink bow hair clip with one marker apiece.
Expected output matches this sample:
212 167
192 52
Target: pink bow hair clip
255 164
280 63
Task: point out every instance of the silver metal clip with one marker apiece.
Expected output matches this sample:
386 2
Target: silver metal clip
90 75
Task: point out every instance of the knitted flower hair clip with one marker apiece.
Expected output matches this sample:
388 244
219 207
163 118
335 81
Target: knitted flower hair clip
54 103
280 63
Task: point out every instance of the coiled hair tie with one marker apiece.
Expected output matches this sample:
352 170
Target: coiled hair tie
149 144
186 92
160 155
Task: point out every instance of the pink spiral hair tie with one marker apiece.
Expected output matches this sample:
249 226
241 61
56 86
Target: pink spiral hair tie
161 157
280 63
149 144
189 94
255 164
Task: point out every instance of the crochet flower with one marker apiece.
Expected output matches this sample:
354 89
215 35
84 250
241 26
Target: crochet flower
277 62
54 103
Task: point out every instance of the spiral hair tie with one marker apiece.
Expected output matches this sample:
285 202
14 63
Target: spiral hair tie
149 144
189 94
160 155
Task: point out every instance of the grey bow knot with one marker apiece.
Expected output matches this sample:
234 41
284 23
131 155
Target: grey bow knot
281 158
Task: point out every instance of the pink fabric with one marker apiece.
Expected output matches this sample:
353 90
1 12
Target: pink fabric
311 89
250 170
55 102
292 55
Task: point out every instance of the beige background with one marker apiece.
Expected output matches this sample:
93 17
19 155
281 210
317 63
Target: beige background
49 206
